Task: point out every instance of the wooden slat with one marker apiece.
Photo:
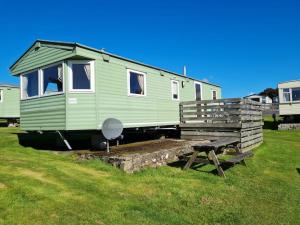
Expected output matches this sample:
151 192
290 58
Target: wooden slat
217 134
213 125
212 101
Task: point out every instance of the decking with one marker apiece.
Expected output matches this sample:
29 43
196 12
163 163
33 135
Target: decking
223 118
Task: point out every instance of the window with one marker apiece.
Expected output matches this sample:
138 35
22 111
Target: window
136 83
286 95
81 76
175 90
296 94
30 85
198 94
1 95
52 79
214 94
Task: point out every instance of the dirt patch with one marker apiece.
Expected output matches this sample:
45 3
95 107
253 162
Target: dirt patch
140 147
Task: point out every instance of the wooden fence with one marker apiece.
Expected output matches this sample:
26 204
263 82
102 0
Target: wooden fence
214 119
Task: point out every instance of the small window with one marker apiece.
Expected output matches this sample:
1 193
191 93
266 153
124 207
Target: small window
296 94
1 95
198 95
175 90
136 83
214 95
81 76
30 85
286 95
52 79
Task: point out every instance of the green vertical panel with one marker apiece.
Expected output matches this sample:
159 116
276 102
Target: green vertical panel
44 113
10 104
81 108
156 108
45 55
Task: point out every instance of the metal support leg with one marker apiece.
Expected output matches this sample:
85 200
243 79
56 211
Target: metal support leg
107 146
64 140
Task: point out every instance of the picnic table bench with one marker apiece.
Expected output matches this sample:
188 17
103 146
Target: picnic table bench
214 148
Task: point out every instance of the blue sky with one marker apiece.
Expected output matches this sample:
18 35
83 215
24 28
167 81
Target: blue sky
244 46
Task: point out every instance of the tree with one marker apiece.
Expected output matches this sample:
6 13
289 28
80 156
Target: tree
271 92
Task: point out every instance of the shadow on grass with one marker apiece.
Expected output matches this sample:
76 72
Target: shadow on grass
199 167
271 125
50 141
80 140
3 124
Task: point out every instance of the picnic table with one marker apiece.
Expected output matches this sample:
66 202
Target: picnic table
214 148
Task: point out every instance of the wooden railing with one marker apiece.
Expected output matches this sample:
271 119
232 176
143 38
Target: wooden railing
212 119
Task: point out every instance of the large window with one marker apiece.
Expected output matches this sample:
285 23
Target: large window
291 94
52 79
81 76
30 85
136 83
175 90
296 94
198 92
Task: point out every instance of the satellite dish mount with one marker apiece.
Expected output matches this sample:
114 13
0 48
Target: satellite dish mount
111 129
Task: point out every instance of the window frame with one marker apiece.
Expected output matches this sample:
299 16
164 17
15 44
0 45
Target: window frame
70 76
212 94
42 79
172 94
290 94
1 95
128 83
201 92
39 85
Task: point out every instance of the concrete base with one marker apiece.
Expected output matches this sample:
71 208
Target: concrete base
131 161
289 126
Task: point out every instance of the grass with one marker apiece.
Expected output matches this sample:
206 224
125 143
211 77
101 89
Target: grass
40 187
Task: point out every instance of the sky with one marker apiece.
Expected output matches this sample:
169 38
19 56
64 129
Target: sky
243 46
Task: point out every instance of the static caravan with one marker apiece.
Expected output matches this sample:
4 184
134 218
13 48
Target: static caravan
72 87
9 103
260 98
289 100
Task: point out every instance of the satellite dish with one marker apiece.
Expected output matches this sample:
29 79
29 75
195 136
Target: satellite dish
112 128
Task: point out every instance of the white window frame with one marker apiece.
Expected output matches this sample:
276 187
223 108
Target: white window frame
39 84
41 74
212 94
197 82
1 95
172 83
70 73
290 94
128 83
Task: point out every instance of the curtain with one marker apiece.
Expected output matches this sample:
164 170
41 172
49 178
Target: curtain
60 73
87 70
175 88
59 78
24 86
140 79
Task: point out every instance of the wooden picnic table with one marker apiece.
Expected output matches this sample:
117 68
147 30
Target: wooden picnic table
214 148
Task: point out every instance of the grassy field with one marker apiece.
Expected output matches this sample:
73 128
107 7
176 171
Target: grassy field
40 187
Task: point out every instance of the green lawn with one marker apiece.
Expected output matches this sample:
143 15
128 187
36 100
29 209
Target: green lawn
39 187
